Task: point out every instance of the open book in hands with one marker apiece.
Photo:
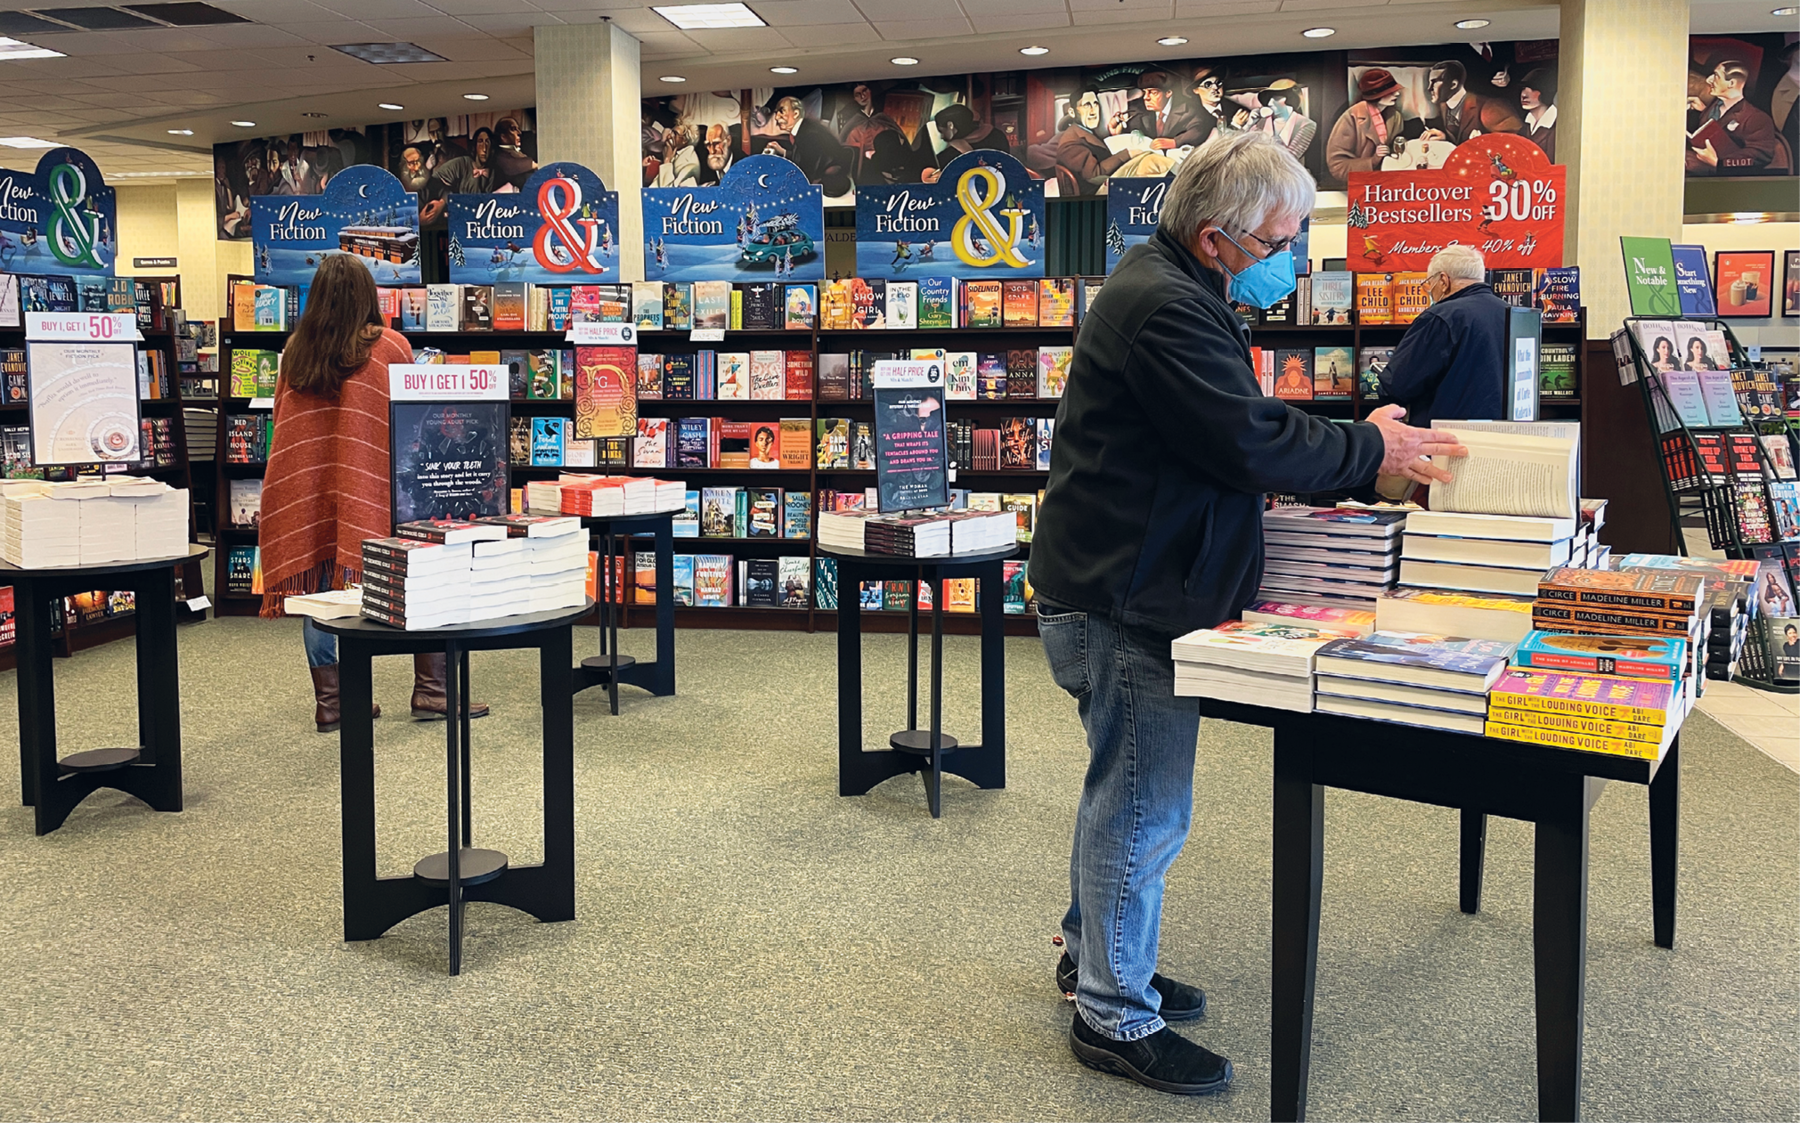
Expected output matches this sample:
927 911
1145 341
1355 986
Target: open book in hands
1513 468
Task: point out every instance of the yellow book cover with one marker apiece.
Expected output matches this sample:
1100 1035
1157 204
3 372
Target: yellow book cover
981 304
1056 302
1374 298
1572 723
737 309
1563 740
1410 298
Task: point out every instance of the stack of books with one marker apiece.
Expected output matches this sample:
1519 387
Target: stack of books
108 532
40 531
1587 712
414 584
1350 621
932 535
159 516
1728 603
552 555
91 521
1625 610
604 496
1343 557
1440 682
1484 554
1269 664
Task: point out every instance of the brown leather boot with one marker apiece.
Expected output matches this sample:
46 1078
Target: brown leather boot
326 713
428 701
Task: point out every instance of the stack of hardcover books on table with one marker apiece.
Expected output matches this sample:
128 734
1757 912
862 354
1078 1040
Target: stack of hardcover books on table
1631 607
1343 557
604 496
415 584
935 535
1430 680
1267 664
1729 602
547 555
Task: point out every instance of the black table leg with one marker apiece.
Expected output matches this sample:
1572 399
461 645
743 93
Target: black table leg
1559 941
661 678
454 701
1298 878
934 785
988 770
849 668
37 694
468 786
371 905
912 654
1474 851
611 624
556 688
157 779
1665 826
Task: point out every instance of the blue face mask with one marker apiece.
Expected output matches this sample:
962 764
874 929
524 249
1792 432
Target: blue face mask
1263 283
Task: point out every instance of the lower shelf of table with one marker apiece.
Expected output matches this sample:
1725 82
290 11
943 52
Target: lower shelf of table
476 866
100 760
919 741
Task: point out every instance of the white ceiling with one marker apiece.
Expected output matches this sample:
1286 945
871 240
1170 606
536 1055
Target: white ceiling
118 93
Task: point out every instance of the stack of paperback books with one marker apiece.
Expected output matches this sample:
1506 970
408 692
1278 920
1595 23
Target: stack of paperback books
448 571
1625 610
91 521
1587 712
1484 554
1436 681
936 535
1730 600
545 555
413 583
1337 557
1350 621
1268 664
604 496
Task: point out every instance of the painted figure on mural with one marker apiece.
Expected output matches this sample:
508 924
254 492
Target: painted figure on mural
716 154
511 160
1081 148
1463 115
1734 137
1537 97
1276 112
465 175
810 145
962 134
1215 116
1366 131
1166 120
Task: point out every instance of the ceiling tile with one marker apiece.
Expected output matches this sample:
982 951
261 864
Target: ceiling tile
241 36
524 19
274 11
977 8
807 13
738 39
1188 8
900 30
370 10
1027 22
1131 10
841 34
635 20
149 63
480 7
466 49
410 30
878 10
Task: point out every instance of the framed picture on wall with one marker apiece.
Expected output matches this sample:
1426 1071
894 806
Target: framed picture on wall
1790 283
1743 283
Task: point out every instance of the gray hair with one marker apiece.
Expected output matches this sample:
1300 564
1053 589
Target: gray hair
1458 263
1237 180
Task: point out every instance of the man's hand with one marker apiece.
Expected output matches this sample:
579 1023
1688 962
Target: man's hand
1708 155
1409 450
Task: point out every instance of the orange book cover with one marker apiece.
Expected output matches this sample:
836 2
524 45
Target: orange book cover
243 306
509 306
1410 298
605 392
981 304
1374 298
1019 308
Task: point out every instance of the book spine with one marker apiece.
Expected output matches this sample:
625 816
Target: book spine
1597 665
1579 707
1674 603
388 557
1585 726
1555 614
1561 739
375 612
423 533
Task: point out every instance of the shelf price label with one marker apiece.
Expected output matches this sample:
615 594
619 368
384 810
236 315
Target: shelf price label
82 327
590 334
443 382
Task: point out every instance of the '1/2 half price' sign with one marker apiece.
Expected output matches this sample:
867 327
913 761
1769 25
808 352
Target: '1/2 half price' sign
435 382
1498 193
82 327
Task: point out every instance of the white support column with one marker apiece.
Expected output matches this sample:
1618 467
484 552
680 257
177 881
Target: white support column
588 106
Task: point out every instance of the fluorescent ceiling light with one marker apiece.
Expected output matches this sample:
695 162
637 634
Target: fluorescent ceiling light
783 70
1034 50
27 142
904 60
673 78
387 53
14 48
475 97
245 124
1319 32
181 132
701 17
1786 12
390 105
1471 24
1171 41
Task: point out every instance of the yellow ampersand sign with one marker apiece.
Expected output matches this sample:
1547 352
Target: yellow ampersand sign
1002 247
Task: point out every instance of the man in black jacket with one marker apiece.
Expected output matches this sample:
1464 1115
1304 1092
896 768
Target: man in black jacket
1452 360
1151 527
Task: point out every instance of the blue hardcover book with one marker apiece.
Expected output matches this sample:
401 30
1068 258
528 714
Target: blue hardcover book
684 579
556 318
34 294
547 435
825 585
678 381
687 523
90 294
1693 281
1685 395
270 308
706 375
1721 401
796 514
1442 662
61 293
691 442
1662 658
1046 430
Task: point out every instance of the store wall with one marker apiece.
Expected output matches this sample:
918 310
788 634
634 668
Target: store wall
147 226
176 220
1776 332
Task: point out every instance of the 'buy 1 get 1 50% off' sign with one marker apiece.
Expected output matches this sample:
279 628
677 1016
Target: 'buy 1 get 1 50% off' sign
1498 193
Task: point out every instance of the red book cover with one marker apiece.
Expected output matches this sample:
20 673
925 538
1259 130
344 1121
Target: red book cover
605 392
799 384
1019 304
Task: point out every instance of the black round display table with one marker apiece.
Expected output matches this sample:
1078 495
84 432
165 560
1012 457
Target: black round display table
151 769
461 872
609 534
929 752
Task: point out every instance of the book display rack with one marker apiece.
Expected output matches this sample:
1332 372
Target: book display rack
90 619
1726 453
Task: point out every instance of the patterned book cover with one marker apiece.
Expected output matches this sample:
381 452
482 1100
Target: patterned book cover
1019 304
1476 657
1652 589
1642 701
1575 723
1629 656
825 584
1056 302
1053 370
605 392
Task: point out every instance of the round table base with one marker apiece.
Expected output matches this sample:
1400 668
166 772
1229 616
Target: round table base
604 663
919 741
100 760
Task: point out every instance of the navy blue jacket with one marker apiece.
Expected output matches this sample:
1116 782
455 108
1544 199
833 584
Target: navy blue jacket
1452 360
1164 447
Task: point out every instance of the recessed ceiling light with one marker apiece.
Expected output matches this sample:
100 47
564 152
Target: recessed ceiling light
387 53
181 132
904 60
13 48
702 17
27 142
1170 41
475 97
245 124
1786 12
1319 32
673 78
783 70
391 106
1034 50
1471 24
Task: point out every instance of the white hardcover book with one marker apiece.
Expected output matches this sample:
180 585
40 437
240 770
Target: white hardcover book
443 307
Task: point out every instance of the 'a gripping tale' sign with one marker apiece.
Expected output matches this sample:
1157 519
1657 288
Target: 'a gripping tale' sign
1498 193
910 453
561 228
364 211
762 222
983 217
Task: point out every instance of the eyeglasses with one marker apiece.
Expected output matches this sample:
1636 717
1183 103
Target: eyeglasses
1209 84
1274 247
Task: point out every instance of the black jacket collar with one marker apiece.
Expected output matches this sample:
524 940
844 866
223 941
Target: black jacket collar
1478 286
1173 250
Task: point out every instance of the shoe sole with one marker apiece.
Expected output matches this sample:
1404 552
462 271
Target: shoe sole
1167 1015
433 715
1114 1065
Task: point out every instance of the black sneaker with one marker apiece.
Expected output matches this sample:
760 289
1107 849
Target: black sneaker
1180 1002
1165 1060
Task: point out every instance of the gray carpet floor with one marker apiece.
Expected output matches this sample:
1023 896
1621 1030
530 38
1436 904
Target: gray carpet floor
749 945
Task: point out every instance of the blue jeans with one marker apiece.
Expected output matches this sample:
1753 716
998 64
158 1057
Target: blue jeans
321 646
1136 805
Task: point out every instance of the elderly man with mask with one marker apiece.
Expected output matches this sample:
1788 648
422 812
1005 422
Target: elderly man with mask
1452 361
1151 527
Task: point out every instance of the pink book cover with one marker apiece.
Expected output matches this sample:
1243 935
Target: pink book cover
1600 689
